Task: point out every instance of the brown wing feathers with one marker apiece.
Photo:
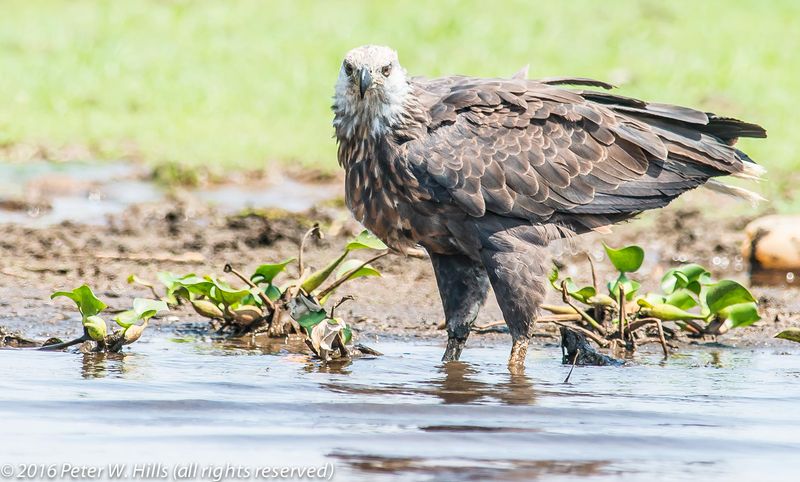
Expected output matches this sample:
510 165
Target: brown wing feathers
529 150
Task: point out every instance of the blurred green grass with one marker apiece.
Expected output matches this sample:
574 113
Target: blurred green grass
248 82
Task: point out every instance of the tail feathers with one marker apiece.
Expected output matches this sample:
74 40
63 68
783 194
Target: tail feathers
734 191
751 171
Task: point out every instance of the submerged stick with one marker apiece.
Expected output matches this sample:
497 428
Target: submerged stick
574 362
622 314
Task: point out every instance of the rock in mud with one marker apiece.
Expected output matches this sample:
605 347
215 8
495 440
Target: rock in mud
772 245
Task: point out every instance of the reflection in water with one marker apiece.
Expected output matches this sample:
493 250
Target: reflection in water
456 383
102 365
475 469
461 385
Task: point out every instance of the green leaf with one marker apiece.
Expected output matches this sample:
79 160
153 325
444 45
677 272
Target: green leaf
352 264
682 298
143 309
630 286
347 334
135 280
267 272
318 277
690 276
273 292
96 327
366 240
741 314
126 318
310 320
87 302
725 293
196 285
553 278
627 259
222 292
791 334
146 308
665 312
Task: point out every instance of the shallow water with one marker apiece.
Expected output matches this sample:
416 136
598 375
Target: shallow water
88 192
715 413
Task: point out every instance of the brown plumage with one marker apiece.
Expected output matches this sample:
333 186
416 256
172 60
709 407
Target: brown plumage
484 173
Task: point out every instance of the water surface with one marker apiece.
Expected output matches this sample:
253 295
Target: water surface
713 413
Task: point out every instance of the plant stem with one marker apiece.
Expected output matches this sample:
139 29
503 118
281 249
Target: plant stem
578 310
268 302
66 344
558 310
594 273
622 314
314 230
346 277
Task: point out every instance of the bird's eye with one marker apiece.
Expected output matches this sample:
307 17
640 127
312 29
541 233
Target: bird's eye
387 70
348 68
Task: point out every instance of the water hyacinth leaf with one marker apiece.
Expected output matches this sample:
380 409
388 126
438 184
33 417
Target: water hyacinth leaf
135 280
366 240
665 312
739 315
725 293
169 279
652 299
126 319
323 335
267 272
84 298
627 259
273 292
553 278
682 298
207 308
312 319
196 285
96 327
791 334
222 292
352 264
630 286
147 308
318 277
347 334
690 276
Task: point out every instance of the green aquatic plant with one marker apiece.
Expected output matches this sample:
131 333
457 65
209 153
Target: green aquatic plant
95 329
689 298
270 294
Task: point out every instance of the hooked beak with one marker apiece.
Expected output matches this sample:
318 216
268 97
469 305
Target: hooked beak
364 80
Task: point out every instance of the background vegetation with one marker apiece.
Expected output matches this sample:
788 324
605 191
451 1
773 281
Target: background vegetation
246 82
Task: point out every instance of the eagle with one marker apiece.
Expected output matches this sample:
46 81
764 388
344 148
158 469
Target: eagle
483 173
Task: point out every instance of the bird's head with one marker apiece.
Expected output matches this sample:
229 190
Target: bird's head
370 91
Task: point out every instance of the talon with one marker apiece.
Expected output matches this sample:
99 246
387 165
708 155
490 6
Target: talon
453 350
516 362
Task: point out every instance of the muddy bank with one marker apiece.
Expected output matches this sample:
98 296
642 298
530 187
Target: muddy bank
184 233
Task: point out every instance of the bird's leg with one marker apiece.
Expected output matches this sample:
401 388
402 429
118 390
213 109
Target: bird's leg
516 271
463 284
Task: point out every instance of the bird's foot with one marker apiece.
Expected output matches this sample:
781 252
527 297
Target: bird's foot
516 362
453 350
